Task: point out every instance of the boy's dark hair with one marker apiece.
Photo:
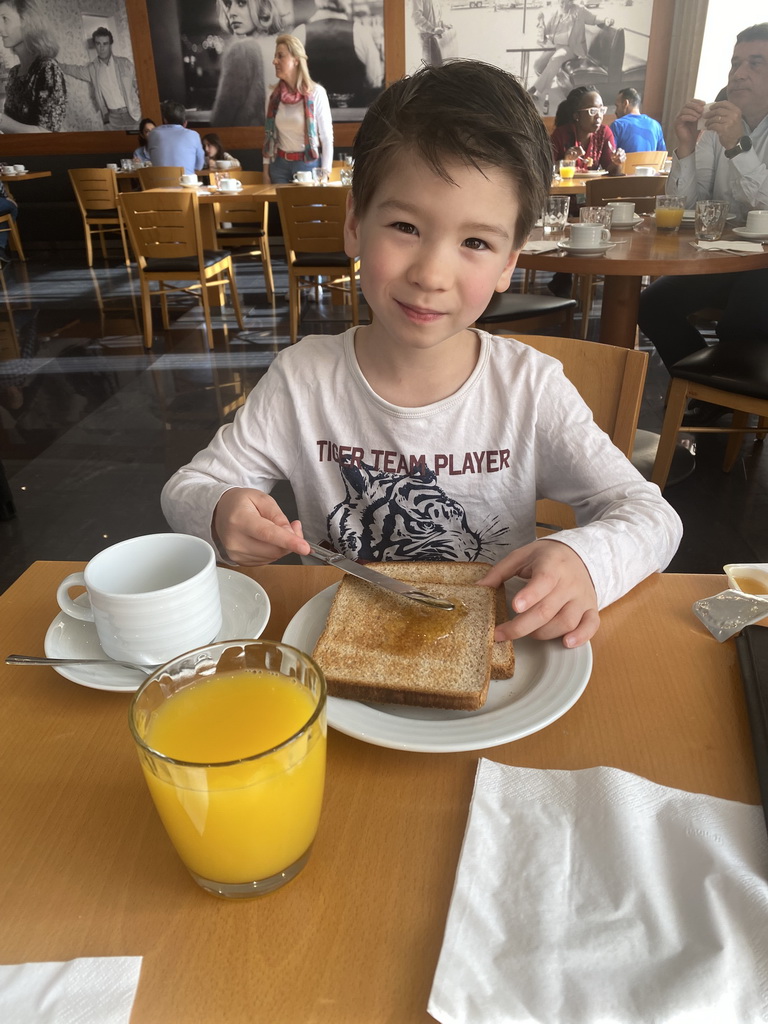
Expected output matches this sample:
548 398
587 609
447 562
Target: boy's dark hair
173 112
754 33
467 110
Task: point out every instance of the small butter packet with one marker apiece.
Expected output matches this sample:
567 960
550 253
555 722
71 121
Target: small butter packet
704 115
727 613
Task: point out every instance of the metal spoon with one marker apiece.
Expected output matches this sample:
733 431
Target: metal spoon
29 659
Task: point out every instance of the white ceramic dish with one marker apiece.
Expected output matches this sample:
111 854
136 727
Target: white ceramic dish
584 250
753 236
758 571
589 174
548 681
636 219
232 191
245 612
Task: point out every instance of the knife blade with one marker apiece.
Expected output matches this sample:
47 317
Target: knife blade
378 579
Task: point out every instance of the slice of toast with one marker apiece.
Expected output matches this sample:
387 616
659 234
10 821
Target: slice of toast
377 646
502 654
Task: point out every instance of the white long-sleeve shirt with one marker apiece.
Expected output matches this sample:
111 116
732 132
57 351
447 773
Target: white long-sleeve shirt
708 174
455 480
291 130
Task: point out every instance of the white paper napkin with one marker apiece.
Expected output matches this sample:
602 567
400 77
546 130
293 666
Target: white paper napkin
89 990
739 247
597 897
539 246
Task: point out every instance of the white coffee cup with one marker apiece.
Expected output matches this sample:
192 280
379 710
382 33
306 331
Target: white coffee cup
757 221
230 185
586 236
224 165
111 167
188 179
623 213
151 598
303 177
644 171
20 168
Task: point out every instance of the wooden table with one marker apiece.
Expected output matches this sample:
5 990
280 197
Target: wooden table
641 251
86 868
26 176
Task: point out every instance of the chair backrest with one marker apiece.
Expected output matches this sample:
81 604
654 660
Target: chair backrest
312 218
611 382
249 177
650 158
159 177
162 225
95 188
241 214
640 191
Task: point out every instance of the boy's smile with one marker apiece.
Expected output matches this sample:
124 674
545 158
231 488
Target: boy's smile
432 253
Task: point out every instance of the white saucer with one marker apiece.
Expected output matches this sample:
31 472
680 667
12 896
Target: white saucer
581 250
224 191
548 680
245 612
636 219
755 236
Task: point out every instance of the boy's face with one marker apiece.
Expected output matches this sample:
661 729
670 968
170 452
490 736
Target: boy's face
432 253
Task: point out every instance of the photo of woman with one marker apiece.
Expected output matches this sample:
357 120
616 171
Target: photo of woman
36 93
246 63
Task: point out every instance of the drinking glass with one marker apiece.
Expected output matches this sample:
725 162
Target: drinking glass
320 175
345 173
231 738
556 216
126 164
711 215
567 169
596 215
669 212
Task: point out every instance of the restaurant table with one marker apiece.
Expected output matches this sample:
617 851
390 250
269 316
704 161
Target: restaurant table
639 252
87 870
26 176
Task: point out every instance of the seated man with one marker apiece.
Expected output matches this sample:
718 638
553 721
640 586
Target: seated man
172 144
6 206
727 163
635 132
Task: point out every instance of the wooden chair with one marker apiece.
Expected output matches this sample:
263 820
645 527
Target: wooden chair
735 377
650 158
248 177
9 222
242 228
164 228
313 231
159 177
96 193
611 382
640 191
530 312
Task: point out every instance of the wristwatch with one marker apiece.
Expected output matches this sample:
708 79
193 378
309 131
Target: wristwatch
742 146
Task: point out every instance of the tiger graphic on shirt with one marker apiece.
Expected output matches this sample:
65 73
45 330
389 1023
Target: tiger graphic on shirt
396 517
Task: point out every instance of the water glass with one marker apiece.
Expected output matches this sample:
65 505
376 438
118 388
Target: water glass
345 173
320 175
126 164
555 216
597 215
711 215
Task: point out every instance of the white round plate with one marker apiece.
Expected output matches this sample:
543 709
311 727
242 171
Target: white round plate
592 250
233 191
754 236
245 612
589 174
636 219
548 680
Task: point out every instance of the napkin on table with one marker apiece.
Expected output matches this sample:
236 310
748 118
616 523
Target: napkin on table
598 897
89 990
739 247
539 246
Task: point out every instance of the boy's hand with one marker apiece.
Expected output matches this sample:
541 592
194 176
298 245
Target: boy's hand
252 528
558 600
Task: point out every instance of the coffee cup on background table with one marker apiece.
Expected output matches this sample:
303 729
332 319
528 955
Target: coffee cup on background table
20 168
151 598
623 213
230 185
188 179
111 167
757 221
586 236
303 177
645 171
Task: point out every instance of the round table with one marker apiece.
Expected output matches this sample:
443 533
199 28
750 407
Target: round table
639 252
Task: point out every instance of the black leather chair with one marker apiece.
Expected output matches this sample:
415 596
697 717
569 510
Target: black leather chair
533 312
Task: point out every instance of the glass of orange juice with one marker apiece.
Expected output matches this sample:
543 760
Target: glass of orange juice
231 739
669 212
567 169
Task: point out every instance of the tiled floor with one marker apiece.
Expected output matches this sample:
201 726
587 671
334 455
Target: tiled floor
91 425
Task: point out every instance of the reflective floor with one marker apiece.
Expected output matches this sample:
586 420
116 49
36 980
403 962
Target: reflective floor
92 425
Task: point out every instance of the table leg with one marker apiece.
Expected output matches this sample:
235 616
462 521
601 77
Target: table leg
618 322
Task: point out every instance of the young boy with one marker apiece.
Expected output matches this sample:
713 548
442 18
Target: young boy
418 437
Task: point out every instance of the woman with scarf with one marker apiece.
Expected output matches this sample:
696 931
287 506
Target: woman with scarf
298 134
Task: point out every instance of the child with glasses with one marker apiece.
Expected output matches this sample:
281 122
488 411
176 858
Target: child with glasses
580 133
418 436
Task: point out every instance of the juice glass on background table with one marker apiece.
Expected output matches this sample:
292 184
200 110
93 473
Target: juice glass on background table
567 169
231 739
669 212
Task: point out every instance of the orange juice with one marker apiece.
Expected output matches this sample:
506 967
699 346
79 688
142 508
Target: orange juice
668 217
250 819
567 172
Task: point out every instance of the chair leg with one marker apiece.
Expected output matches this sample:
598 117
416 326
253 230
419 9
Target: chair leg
294 302
207 312
16 240
266 265
235 296
146 309
88 245
762 427
735 440
102 242
125 244
673 417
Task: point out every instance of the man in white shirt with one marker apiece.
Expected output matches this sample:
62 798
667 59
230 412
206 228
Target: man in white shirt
113 83
729 161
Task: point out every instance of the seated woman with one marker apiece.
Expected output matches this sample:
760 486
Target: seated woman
214 151
580 134
146 125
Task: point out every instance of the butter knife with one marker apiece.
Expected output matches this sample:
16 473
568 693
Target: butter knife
378 579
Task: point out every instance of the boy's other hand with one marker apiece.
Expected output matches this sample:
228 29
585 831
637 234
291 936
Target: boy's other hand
252 528
558 601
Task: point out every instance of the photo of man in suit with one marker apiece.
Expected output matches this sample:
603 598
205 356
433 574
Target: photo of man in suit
113 83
